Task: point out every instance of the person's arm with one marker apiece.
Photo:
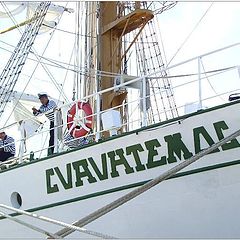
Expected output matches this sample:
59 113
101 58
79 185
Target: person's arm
1 145
36 111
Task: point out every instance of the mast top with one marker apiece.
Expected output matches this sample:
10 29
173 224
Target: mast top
133 21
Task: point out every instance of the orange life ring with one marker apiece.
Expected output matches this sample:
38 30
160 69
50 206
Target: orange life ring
76 127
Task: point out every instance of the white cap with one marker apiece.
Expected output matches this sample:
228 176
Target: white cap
42 94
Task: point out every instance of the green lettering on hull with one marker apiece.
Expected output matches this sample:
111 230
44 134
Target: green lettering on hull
66 184
101 175
81 174
176 146
152 152
50 188
135 158
219 126
201 131
120 161
134 150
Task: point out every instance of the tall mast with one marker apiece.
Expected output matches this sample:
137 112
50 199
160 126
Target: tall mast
112 28
108 42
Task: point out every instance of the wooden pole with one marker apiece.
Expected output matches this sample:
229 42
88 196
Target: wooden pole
108 42
16 26
112 29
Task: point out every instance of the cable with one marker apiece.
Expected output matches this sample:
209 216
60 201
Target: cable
101 211
66 74
35 53
190 34
210 82
57 64
56 222
30 226
28 81
62 30
18 58
169 76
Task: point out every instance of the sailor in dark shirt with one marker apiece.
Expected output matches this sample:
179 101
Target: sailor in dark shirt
46 106
72 142
7 146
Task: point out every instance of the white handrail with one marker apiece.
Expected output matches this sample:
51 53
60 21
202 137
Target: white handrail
62 125
97 95
133 81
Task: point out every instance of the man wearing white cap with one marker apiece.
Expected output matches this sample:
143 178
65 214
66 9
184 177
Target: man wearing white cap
7 146
46 106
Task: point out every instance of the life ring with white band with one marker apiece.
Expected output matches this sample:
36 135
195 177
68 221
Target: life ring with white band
77 126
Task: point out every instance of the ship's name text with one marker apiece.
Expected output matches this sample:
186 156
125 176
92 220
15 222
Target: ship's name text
134 158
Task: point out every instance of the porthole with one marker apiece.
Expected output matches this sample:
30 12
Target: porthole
16 200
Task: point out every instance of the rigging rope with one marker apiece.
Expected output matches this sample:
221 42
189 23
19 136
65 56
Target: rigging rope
37 229
55 64
150 61
210 82
13 68
56 222
136 192
190 34
38 62
67 31
40 56
15 11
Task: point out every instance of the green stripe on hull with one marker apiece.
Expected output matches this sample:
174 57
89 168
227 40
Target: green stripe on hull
122 188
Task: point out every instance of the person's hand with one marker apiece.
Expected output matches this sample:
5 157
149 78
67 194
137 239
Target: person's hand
34 110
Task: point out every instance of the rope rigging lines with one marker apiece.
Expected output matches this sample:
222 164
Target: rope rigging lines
190 34
13 68
150 61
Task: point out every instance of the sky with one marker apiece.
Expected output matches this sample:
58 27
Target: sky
218 28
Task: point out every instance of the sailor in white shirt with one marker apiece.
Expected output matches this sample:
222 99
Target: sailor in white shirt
46 106
7 146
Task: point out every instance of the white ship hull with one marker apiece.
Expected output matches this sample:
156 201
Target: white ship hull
199 202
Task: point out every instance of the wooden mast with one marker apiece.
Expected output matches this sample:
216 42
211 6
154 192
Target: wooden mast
108 41
112 29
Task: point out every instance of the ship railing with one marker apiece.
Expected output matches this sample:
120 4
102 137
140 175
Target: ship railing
93 135
130 123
